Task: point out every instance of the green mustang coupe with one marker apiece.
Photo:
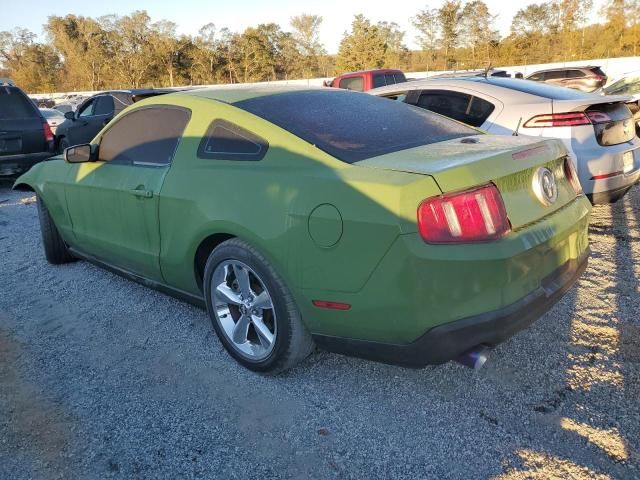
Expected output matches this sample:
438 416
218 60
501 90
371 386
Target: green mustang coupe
304 217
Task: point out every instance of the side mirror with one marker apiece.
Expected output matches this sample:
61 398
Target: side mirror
70 115
81 153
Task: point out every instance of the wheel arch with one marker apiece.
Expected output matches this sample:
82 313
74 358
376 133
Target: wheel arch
204 249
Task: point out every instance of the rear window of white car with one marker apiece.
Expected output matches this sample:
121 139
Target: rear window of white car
353 126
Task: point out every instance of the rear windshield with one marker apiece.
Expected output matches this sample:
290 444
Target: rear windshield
598 71
353 126
535 88
15 104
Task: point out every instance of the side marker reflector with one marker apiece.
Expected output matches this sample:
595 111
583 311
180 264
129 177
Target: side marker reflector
331 305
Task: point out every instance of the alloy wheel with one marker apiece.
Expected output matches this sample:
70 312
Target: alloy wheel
244 309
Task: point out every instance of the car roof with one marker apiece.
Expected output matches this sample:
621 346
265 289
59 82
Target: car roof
240 93
556 69
493 86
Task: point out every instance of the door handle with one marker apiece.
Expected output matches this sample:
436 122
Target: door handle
139 192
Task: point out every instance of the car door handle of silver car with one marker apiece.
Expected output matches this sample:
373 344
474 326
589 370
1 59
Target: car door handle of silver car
138 192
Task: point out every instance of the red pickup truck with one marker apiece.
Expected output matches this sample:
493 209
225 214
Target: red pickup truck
367 79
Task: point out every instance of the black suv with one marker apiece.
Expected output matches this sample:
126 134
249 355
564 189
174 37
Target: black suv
95 112
25 136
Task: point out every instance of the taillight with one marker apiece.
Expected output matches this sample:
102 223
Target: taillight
476 215
48 134
572 175
558 120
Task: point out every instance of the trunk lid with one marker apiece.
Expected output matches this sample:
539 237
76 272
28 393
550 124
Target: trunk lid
21 125
509 162
610 116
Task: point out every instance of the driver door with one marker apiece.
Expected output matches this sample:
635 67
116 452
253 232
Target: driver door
113 203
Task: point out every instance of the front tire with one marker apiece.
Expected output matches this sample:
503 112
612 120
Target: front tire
55 250
63 144
252 310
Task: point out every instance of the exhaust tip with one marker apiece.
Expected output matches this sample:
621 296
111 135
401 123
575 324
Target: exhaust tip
475 357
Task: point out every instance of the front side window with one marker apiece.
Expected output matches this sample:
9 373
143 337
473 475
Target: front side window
147 136
352 83
87 109
463 107
226 141
104 105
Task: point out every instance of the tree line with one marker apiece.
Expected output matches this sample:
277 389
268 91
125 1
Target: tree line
131 51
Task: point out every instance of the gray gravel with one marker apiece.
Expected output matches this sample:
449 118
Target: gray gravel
103 378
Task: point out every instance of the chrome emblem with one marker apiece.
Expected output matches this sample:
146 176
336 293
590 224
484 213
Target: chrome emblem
545 186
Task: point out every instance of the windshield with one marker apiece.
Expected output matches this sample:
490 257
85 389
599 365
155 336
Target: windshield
353 126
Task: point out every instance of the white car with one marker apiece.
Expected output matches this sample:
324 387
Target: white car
599 132
53 118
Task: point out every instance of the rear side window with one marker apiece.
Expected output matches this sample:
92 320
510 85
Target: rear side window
380 81
104 105
226 141
555 74
352 83
536 77
14 104
463 107
575 74
353 126
148 136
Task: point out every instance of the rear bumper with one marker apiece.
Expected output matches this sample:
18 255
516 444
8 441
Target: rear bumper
16 164
595 160
612 196
446 342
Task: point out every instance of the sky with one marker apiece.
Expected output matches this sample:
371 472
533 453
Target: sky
236 15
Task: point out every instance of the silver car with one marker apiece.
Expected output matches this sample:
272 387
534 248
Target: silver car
599 132
53 118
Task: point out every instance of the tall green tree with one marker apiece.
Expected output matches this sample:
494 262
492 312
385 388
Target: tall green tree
449 16
478 31
426 22
306 35
364 47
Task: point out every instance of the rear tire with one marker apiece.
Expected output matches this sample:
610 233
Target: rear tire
55 250
273 337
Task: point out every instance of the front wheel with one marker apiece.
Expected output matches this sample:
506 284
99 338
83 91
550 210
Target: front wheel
55 250
63 144
252 311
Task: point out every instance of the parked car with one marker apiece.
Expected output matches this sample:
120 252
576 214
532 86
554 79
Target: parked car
628 84
597 131
586 79
65 107
95 112
25 136
53 118
408 238
491 72
366 80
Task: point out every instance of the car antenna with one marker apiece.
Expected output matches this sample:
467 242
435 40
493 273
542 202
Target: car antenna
486 71
515 132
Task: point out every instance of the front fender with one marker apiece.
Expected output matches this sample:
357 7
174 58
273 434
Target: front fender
48 180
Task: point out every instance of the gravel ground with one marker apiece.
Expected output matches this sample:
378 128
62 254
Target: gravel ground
103 378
